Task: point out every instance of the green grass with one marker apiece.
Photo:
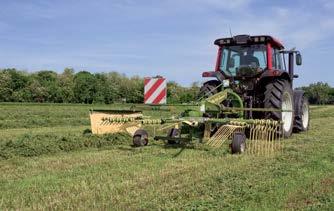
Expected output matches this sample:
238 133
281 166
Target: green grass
48 163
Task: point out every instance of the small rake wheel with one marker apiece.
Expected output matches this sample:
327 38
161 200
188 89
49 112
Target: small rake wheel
173 133
140 138
238 143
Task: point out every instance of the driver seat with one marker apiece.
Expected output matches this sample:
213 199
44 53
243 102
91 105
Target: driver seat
250 60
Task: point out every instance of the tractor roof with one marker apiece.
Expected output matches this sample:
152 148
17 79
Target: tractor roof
247 39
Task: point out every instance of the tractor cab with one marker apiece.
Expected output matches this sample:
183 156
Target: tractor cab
245 56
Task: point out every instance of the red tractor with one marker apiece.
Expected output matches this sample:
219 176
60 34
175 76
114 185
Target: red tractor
255 67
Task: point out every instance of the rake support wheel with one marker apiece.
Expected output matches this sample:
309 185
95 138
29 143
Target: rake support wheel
140 138
238 143
173 133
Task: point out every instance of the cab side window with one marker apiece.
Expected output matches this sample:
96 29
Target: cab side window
277 60
223 63
236 62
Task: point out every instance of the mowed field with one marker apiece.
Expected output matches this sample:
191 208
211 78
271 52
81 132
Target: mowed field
48 162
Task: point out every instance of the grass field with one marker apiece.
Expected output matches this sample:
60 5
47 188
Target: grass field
47 162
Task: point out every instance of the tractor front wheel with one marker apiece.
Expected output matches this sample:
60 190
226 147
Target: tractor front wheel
279 96
208 89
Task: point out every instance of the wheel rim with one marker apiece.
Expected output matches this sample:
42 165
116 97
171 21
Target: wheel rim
305 115
287 115
242 147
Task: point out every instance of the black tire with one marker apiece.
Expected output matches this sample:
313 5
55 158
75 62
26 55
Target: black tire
140 138
238 143
277 93
173 133
208 89
302 116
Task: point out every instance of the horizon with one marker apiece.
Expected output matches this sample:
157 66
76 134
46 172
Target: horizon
142 77
170 38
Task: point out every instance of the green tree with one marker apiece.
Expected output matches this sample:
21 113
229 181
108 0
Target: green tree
48 81
35 92
84 87
5 86
318 93
121 87
133 89
331 96
173 92
114 81
110 84
19 81
189 94
66 86
101 89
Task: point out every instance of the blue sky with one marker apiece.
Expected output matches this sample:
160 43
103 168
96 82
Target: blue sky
173 38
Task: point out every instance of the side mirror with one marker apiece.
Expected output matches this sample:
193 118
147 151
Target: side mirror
298 59
231 63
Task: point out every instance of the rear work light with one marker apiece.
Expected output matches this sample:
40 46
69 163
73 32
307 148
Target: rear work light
259 39
225 41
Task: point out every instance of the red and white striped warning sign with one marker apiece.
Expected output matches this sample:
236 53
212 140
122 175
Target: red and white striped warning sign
155 91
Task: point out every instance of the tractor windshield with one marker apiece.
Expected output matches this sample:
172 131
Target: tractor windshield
235 57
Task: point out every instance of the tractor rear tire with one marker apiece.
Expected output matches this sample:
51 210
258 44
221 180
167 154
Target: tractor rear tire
279 95
208 89
302 116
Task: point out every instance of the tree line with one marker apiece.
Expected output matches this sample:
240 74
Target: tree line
319 93
85 87
81 87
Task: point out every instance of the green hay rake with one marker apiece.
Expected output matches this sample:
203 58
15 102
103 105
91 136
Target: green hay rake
208 122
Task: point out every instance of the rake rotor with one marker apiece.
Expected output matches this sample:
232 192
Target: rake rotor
263 136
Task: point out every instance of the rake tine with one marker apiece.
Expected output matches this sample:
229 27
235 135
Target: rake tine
251 138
